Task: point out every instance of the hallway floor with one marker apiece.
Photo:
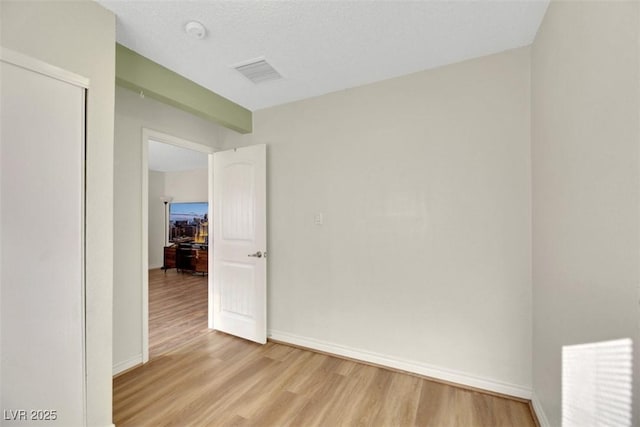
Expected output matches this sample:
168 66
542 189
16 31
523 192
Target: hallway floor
177 309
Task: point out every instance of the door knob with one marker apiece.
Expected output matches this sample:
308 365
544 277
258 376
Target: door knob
257 254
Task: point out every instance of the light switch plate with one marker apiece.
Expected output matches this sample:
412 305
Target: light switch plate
318 219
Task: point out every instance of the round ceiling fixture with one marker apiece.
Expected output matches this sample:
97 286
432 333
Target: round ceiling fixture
195 29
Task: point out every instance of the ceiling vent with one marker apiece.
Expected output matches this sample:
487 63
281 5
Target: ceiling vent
258 71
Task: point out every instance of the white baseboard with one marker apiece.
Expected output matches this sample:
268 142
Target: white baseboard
537 408
436 372
154 267
126 364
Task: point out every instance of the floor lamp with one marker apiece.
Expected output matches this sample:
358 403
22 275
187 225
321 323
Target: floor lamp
166 200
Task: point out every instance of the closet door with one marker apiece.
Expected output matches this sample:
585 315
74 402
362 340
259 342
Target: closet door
42 145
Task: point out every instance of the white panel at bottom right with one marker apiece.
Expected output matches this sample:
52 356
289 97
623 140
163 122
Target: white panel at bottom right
596 384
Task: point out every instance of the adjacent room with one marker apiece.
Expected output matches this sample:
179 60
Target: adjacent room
307 213
178 245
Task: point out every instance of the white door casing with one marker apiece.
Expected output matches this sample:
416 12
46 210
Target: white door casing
165 138
42 256
240 242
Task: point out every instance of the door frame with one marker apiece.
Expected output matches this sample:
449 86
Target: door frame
165 138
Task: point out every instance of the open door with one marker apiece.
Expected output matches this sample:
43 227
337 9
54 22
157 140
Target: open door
240 242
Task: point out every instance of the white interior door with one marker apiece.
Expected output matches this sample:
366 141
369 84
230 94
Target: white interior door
42 246
240 243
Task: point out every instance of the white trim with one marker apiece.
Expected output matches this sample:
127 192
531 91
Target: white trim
127 364
537 408
432 371
83 245
32 64
145 246
174 140
150 134
84 397
210 306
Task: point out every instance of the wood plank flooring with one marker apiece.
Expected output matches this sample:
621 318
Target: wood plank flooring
219 380
177 309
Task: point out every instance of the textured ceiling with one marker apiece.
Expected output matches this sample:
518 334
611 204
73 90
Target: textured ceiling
319 46
169 158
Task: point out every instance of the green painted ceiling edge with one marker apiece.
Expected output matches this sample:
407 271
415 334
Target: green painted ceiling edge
138 73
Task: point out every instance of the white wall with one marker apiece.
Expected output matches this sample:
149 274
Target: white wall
132 114
187 186
586 175
424 183
79 36
156 219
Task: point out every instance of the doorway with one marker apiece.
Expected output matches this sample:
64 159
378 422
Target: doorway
172 304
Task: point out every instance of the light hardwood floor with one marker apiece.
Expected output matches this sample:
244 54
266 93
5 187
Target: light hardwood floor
215 379
177 309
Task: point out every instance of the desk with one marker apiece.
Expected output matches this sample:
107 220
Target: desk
169 258
186 257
